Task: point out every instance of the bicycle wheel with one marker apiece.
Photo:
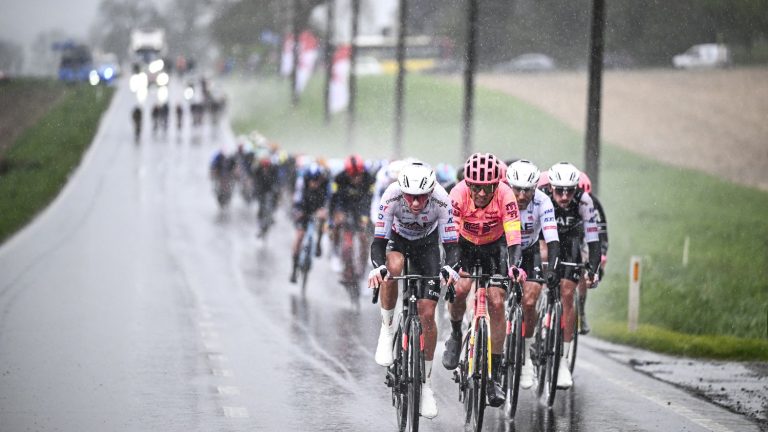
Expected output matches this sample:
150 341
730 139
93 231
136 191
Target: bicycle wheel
414 377
514 359
571 354
398 372
474 403
540 354
554 345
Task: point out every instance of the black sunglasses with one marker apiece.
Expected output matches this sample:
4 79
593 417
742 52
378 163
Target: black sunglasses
523 190
564 190
487 188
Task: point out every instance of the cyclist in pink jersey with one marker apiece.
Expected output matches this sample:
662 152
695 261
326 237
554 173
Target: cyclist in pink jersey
488 219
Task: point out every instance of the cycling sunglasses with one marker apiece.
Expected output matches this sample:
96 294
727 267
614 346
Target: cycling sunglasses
410 198
565 190
487 188
523 190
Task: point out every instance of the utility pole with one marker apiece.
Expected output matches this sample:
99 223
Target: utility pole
469 78
294 70
329 58
592 147
400 83
351 120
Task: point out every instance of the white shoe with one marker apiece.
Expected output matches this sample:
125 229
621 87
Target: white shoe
384 348
564 379
526 373
428 406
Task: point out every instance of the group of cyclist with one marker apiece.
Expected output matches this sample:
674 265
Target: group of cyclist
509 218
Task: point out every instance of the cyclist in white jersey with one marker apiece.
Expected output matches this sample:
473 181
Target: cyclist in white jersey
537 218
414 216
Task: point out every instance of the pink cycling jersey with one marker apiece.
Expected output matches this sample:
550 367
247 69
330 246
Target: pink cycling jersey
486 225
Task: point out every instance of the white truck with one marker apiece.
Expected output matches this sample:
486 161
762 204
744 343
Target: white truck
147 50
708 55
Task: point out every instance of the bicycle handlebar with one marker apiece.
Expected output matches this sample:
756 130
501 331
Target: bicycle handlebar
449 295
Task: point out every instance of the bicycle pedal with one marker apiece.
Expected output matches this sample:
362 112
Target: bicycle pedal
456 377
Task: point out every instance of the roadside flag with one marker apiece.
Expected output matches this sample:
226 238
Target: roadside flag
308 53
339 91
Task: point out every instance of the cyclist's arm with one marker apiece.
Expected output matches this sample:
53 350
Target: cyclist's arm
298 194
511 223
587 212
335 196
549 231
602 225
383 225
447 227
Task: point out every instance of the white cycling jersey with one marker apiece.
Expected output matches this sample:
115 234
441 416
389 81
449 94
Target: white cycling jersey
539 216
394 215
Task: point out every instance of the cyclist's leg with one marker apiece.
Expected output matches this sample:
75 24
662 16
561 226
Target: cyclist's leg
388 301
457 309
321 215
582 287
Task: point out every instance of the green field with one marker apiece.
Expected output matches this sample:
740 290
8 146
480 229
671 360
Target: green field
39 162
651 207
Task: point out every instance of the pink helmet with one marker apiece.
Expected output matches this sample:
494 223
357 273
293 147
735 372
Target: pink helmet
584 183
482 168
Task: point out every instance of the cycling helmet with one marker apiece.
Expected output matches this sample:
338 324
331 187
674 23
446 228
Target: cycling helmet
585 183
354 165
445 173
416 179
313 172
482 168
563 174
393 169
523 174
502 169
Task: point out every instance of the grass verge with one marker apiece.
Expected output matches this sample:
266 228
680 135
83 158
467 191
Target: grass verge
651 207
38 164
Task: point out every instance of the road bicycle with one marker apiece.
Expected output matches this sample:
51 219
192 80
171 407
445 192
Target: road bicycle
305 253
406 374
352 256
548 342
578 313
474 374
513 348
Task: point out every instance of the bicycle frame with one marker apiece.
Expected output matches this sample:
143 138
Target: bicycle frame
551 324
305 253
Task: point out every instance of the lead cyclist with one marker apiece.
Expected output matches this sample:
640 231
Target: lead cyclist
413 218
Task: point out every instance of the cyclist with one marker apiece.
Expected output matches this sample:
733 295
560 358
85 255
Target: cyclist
384 177
585 184
310 198
351 193
265 178
221 170
537 216
488 219
446 176
136 116
414 217
576 222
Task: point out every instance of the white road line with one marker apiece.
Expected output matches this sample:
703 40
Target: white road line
235 412
209 334
228 390
222 373
678 409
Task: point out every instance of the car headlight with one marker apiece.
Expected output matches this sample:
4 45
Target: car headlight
93 77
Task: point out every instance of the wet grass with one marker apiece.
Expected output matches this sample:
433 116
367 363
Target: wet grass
651 206
699 346
41 159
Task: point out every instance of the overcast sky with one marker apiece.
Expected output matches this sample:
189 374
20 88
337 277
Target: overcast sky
22 20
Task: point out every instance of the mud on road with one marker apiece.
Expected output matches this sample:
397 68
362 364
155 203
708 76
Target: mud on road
711 120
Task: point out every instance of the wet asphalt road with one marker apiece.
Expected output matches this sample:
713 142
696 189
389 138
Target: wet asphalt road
134 304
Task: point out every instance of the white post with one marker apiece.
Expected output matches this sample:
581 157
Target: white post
686 244
633 307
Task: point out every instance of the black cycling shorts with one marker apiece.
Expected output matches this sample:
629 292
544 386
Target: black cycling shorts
492 256
424 255
570 251
532 262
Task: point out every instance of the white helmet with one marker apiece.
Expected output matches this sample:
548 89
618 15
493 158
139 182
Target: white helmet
416 179
523 174
393 169
563 174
